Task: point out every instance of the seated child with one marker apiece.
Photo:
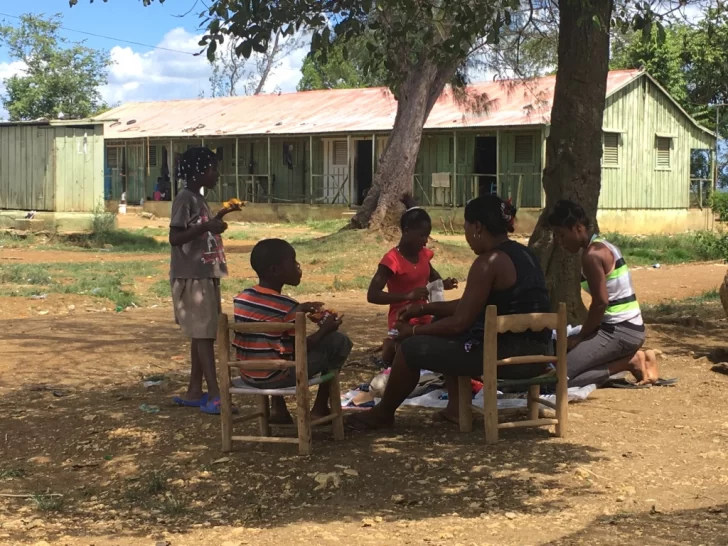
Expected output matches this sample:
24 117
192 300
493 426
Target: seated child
274 261
405 271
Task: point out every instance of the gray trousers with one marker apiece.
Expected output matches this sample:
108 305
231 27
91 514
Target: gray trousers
330 354
588 362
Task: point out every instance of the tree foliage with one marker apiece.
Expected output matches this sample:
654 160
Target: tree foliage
58 76
339 70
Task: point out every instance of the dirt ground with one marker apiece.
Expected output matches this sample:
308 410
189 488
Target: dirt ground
639 467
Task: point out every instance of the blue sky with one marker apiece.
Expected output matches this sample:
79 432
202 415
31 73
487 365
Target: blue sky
142 73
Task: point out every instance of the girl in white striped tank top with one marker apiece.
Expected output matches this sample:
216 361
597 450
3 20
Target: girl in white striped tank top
611 337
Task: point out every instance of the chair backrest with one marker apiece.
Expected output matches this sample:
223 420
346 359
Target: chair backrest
535 322
225 345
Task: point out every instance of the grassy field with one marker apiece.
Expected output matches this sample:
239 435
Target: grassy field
332 260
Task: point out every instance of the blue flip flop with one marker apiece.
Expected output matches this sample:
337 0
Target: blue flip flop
212 407
191 404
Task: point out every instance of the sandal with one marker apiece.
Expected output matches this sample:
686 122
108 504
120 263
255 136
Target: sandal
179 401
212 407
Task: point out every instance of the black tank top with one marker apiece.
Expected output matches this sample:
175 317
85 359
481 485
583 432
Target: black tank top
527 295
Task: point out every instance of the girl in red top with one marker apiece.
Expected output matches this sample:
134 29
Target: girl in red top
405 271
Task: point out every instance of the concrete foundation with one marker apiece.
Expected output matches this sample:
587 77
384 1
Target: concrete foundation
628 222
47 221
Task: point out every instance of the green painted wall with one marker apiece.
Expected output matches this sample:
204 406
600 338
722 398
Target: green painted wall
51 168
640 112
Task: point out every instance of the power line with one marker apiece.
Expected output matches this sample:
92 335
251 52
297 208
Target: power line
110 37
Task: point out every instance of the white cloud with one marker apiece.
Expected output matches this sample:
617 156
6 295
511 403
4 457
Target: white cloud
163 75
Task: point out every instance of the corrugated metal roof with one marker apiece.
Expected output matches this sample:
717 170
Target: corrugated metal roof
512 103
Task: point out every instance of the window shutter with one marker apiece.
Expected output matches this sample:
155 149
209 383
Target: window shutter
112 158
663 152
340 152
152 156
611 149
524 149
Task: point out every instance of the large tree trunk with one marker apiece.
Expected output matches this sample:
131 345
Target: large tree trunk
394 177
574 145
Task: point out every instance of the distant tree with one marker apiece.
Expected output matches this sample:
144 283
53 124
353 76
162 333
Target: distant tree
342 71
230 70
58 76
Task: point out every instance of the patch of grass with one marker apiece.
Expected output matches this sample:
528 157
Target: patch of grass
161 288
173 506
241 236
113 281
327 226
148 485
10 473
671 249
12 239
705 305
48 503
33 274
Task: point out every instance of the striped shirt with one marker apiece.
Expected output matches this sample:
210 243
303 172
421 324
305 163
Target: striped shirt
623 305
260 304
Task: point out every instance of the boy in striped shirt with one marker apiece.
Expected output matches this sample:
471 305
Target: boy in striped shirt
274 261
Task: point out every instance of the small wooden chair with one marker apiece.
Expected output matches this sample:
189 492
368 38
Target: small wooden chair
228 387
495 325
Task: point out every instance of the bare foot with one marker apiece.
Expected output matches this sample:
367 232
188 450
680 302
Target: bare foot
373 419
651 372
638 367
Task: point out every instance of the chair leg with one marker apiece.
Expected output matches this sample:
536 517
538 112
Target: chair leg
465 403
226 413
562 407
337 425
534 393
263 404
303 411
490 403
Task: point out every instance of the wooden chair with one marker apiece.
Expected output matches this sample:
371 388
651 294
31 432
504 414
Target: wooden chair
229 386
495 325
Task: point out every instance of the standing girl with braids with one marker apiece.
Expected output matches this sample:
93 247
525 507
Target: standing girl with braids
405 271
505 274
196 267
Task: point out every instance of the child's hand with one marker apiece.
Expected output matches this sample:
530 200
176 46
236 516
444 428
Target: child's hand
331 323
309 307
413 310
450 284
216 225
404 330
418 294
233 205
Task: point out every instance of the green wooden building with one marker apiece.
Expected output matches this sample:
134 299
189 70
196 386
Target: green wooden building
322 147
54 166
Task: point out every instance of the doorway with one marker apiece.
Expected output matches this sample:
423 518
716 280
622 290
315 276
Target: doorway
486 164
363 169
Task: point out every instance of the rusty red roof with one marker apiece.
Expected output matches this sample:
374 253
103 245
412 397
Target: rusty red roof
370 110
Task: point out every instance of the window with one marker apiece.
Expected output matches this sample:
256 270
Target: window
341 152
524 149
610 155
112 158
152 156
664 147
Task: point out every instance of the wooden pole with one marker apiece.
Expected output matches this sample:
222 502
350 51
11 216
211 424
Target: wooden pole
374 155
543 166
310 168
348 164
490 375
237 168
302 390
223 373
454 189
497 162
270 178
172 174
562 394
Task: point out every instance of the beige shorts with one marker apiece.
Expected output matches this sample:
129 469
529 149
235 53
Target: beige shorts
197 306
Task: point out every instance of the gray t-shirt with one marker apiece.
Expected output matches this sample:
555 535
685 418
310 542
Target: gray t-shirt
201 258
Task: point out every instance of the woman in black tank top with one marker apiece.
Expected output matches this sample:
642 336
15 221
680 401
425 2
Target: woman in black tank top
505 274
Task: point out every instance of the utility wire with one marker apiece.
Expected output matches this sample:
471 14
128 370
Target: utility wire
110 37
